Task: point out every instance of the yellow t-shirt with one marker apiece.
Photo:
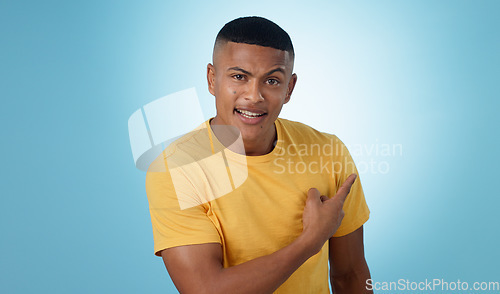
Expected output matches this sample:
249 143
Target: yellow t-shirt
201 192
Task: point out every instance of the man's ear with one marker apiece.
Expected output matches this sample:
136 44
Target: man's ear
211 78
291 86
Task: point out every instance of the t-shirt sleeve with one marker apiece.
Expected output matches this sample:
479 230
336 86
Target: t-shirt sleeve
173 226
356 211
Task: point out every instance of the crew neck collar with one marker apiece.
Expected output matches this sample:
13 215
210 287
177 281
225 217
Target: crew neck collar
258 158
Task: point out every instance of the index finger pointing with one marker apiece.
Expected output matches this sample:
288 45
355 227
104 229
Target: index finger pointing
346 187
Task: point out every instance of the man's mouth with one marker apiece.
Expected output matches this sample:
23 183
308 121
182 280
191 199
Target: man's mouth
249 114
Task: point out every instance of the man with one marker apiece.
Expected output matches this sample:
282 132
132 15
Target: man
285 210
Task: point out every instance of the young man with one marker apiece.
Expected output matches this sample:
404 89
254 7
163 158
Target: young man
252 203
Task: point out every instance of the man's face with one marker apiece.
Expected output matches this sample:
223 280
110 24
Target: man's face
251 83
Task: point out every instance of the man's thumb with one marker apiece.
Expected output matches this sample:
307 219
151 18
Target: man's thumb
313 195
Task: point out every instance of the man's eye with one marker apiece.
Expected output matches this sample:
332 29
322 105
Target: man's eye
239 77
272 82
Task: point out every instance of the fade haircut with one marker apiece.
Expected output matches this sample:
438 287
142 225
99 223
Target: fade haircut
255 30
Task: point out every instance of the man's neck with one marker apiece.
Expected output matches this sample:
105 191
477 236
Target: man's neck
260 146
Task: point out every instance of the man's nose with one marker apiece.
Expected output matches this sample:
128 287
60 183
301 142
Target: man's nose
254 93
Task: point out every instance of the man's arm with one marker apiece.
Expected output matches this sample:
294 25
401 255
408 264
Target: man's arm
348 268
199 269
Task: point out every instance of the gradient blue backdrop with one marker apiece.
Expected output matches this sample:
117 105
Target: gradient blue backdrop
423 74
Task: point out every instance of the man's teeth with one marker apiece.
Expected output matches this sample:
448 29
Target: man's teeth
249 114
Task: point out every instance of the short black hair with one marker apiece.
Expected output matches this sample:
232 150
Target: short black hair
255 30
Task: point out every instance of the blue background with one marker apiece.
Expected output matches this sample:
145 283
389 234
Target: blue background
424 74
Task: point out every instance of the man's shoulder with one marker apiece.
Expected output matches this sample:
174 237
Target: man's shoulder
297 129
185 148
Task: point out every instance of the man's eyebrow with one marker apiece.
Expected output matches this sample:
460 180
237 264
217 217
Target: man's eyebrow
279 69
239 69
236 68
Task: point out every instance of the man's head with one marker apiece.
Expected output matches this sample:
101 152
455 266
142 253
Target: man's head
254 30
251 76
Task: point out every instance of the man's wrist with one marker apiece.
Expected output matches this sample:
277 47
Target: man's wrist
308 244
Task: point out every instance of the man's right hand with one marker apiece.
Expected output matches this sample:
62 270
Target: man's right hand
322 216
199 268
